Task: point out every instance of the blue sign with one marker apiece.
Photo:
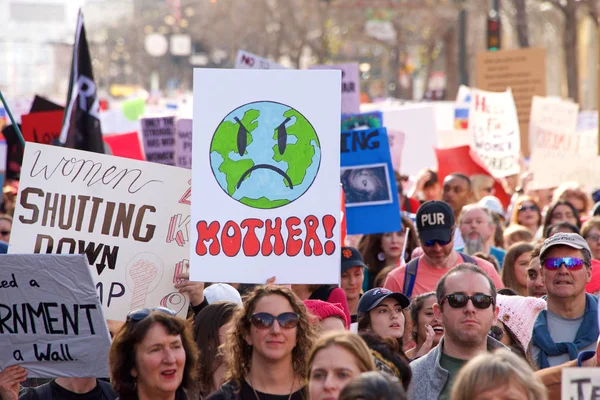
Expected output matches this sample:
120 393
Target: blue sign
369 182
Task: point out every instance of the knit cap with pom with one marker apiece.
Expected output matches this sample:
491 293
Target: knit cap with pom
323 309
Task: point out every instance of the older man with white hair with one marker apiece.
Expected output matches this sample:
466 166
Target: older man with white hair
476 224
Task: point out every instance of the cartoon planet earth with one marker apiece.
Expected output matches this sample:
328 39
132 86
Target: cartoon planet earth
265 154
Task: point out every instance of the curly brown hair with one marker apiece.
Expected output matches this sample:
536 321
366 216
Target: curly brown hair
239 352
121 357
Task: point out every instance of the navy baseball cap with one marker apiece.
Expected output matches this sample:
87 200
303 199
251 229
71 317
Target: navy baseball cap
351 258
372 298
435 221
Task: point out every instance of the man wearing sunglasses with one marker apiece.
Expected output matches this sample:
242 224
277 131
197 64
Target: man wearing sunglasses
466 305
435 227
571 323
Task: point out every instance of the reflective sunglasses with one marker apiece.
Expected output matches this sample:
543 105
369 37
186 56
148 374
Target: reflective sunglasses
263 320
496 332
458 300
140 314
532 207
430 243
555 263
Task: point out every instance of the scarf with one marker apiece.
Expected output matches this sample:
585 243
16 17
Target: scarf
586 334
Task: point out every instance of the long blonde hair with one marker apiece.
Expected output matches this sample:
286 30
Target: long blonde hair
493 370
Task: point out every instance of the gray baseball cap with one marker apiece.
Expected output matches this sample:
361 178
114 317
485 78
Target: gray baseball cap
564 239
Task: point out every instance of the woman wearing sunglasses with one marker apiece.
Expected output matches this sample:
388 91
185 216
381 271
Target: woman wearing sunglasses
154 357
268 347
526 212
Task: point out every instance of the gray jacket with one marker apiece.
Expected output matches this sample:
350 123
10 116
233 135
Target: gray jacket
429 378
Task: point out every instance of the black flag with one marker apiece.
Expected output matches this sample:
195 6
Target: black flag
81 126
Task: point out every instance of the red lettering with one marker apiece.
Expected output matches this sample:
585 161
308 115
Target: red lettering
328 225
273 231
480 103
231 243
206 233
251 244
312 223
293 246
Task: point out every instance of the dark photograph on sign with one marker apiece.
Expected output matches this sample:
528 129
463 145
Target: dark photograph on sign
366 185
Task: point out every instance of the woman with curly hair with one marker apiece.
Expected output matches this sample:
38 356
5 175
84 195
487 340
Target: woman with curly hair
384 249
267 348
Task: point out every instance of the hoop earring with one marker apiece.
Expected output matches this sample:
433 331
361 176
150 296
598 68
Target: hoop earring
381 256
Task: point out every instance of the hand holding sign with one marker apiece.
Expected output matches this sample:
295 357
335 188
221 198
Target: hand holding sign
10 382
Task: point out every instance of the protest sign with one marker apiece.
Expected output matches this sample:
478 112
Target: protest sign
133 109
552 120
131 219
42 127
465 161
369 183
184 143
52 321
159 139
350 85
114 121
266 158
246 60
125 145
580 383
523 71
494 128
373 119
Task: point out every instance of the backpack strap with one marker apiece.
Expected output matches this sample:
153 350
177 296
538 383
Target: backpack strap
468 259
410 274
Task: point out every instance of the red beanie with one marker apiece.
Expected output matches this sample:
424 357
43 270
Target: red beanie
323 309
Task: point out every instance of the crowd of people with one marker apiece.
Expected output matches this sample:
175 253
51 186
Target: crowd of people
469 300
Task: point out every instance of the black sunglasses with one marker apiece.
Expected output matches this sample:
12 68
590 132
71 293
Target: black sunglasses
532 207
263 320
458 300
138 315
496 332
430 243
4 233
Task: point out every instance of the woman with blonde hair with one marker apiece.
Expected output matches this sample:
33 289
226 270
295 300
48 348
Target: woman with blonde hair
527 212
334 360
267 347
482 185
573 193
501 374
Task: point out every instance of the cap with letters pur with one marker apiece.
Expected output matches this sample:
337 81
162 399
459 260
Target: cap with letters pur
435 221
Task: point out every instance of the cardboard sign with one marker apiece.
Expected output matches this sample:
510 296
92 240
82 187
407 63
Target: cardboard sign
523 71
465 161
52 321
267 160
580 383
42 127
184 143
159 139
369 183
494 131
130 218
350 86
125 145
246 60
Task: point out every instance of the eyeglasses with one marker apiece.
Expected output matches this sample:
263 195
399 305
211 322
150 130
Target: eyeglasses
4 233
555 263
593 238
532 207
430 243
458 300
263 320
139 315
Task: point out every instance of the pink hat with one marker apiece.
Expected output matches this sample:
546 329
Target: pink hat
518 313
323 309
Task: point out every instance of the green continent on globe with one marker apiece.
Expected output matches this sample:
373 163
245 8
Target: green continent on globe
298 155
263 202
225 142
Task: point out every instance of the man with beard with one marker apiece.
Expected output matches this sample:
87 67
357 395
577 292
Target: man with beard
466 305
477 226
435 228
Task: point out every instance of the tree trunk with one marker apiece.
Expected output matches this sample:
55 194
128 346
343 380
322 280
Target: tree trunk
451 61
522 32
570 49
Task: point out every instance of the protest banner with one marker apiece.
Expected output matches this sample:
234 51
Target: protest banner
369 183
114 121
52 321
350 85
465 161
580 383
494 128
125 145
523 71
266 157
131 219
368 120
42 127
183 153
247 60
14 150
552 120
159 139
